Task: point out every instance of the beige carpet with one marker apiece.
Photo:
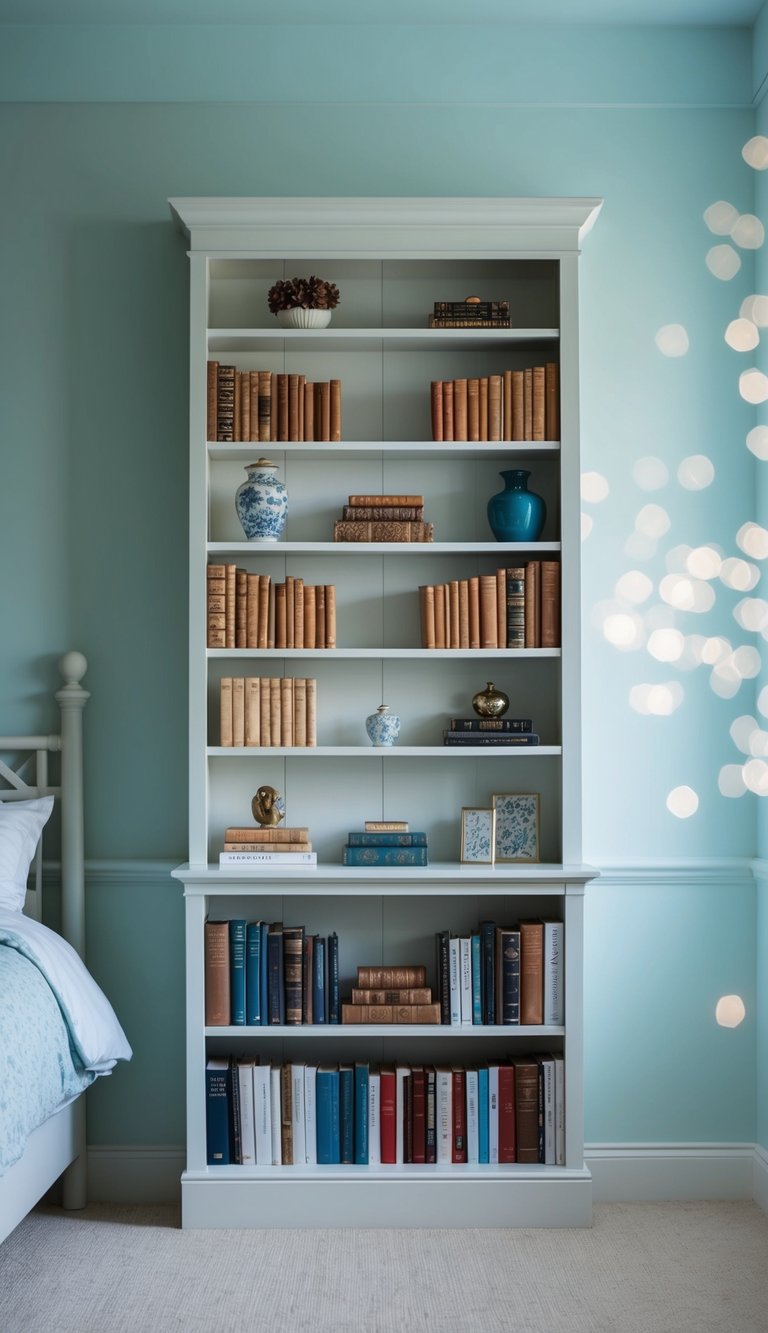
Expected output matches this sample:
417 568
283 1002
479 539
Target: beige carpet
642 1268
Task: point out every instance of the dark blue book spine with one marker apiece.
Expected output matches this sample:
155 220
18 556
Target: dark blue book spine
385 856
510 976
318 982
487 963
276 991
237 972
477 1003
491 724
361 1114
347 1114
334 998
253 974
217 1113
443 976
387 840
327 1116
264 974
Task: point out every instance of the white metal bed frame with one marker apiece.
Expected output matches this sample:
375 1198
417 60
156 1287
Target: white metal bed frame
58 1145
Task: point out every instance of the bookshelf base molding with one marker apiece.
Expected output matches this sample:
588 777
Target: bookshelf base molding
403 1197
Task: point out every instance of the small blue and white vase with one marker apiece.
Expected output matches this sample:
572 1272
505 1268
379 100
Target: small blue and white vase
516 514
262 502
382 726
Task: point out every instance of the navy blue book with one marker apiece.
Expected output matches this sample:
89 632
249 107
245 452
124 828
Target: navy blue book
327 1115
443 976
217 1112
361 1114
385 856
275 986
237 972
488 970
387 840
334 999
319 1014
253 974
491 724
477 1000
347 1114
508 984
264 974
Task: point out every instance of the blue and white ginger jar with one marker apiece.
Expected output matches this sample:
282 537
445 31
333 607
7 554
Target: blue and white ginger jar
382 726
262 502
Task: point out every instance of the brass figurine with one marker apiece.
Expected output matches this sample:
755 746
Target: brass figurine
268 807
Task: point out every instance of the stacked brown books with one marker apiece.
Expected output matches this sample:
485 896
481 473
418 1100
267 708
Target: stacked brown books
514 405
383 518
470 314
513 608
391 995
268 711
275 840
261 405
247 610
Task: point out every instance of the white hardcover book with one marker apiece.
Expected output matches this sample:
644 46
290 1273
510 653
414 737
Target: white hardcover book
374 1119
276 1112
548 1070
247 1113
444 1116
297 1115
401 1073
465 977
272 859
454 977
559 1111
262 1115
310 1118
554 1006
493 1114
473 1122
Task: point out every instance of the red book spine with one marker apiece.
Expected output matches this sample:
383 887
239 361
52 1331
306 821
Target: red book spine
507 1114
387 1112
459 1153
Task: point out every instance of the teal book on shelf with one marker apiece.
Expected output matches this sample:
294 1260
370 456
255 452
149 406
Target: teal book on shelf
217 1112
327 1115
385 856
237 972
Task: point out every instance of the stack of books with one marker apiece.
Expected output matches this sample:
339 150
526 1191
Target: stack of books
502 976
259 405
391 995
261 974
269 848
490 731
513 608
513 405
268 711
383 518
470 314
385 843
246 610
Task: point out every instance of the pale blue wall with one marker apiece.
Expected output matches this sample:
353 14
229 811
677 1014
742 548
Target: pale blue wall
93 393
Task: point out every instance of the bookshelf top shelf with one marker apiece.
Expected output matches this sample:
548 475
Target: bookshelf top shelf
377 654
442 879
438 1030
219 451
340 339
355 549
450 752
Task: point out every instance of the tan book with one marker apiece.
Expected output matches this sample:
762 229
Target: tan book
506 406
241 607
298 613
302 386
252 710
286 711
335 410
386 826
484 407
386 530
453 593
317 412
238 710
531 972
532 603
436 408
501 608
325 412
460 419
427 610
216 606
225 711
275 711
440 638
330 615
245 405
309 411
253 394
216 964
299 710
528 403
212 387
488 616
282 407
280 641
265 405
293 407
494 407
392 978
311 711
319 615
473 410
518 405
550 604
386 501
289 610
253 834
376 513
236 426
474 612
286 1115
538 404
390 1013
416 995
448 397
230 598
265 699
310 636
273 847
445 591
264 588
551 402
252 611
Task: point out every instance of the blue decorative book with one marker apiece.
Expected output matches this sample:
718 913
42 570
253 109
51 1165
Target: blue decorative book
387 840
327 1115
264 974
385 856
361 1114
217 1112
482 1113
334 999
237 972
477 1007
487 963
347 1113
253 974
318 982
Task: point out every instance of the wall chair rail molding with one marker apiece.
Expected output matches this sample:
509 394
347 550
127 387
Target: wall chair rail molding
736 872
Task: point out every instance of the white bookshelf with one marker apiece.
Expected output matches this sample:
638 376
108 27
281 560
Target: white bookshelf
390 259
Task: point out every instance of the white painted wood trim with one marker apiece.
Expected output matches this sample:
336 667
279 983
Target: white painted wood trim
760 1178
736 871
654 1172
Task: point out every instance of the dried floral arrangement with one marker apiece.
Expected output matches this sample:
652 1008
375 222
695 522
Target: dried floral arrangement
305 293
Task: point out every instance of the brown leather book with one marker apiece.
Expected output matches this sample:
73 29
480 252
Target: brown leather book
252 611
241 607
550 604
392 978
280 615
335 410
299 710
378 513
551 402
309 411
484 407
311 695
460 410
453 592
211 399
533 604
282 407
330 615
298 613
518 405
527 1110
494 407
319 615
414 995
276 847
265 699
252 711
216 956
445 593
488 616
286 711
501 608
225 404
473 410
310 636
265 405
506 406
302 387
245 405
427 611
516 607
293 974
253 414
386 501
251 834
385 530
275 711
528 403
289 610
263 621
474 612
216 606
286 1115
436 404
440 640
225 711
390 1013
531 972
236 426
463 613
293 407
459 1107
238 710
230 594
448 410
325 412
538 403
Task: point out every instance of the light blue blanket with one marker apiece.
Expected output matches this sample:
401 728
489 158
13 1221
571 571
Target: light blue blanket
37 1072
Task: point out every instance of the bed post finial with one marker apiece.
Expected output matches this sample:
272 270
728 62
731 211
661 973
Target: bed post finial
73 667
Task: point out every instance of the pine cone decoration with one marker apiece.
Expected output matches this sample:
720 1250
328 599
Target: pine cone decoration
306 293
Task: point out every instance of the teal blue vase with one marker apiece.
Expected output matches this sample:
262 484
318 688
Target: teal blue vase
516 514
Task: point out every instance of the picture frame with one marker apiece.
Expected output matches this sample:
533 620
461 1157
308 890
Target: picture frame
516 827
477 835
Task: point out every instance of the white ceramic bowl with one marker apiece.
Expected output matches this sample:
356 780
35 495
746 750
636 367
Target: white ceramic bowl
304 319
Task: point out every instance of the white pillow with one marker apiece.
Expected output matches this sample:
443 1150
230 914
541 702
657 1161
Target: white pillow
21 823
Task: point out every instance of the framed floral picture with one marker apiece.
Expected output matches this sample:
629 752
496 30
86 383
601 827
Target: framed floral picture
516 836
477 836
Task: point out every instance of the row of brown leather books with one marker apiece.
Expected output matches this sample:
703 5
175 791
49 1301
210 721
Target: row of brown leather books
268 711
260 405
247 610
391 995
517 607
514 405
383 518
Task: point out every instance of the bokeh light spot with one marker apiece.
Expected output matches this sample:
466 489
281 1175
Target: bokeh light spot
634 586
696 472
757 442
723 262
730 781
666 645
682 802
742 335
748 232
650 474
594 487
721 217
753 385
730 1011
672 340
755 152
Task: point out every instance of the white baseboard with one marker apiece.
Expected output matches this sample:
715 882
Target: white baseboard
135 1174
760 1183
